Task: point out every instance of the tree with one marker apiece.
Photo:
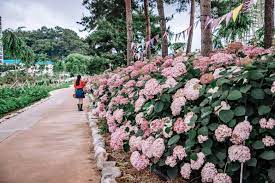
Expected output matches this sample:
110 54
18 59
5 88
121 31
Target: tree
268 23
164 46
55 42
129 21
148 26
206 34
192 17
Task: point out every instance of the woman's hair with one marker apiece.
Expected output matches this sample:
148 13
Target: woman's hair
78 78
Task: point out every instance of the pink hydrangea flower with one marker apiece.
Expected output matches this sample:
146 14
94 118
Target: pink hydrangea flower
192 89
135 143
268 124
158 148
117 138
222 178
177 104
273 87
139 103
138 161
170 83
202 139
118 115
196 165
239 153
222 58
268 141
241 132
146 146
222 132
185 171
152 88
179 152
208 172
179 93
171 161
156 125
177 70
180 127
140 84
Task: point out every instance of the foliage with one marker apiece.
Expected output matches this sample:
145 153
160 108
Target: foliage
12 99
233 30
156 109
51 43
4 68
76 63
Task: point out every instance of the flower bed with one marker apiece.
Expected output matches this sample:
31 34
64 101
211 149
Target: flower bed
208 118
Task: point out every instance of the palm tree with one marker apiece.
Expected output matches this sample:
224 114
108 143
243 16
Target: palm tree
162 28
129 21
148 27
206 34
268 23
190 36
13 45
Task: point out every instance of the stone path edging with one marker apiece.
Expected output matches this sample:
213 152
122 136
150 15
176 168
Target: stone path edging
109 171
15 113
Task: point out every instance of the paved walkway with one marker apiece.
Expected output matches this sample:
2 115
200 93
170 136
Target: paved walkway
49 143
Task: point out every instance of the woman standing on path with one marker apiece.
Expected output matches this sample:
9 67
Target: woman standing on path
79 92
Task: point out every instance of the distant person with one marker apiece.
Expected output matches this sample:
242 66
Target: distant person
79 92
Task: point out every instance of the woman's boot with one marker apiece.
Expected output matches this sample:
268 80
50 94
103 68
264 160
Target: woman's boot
78 105
81 105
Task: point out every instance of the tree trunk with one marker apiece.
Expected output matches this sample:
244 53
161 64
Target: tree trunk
268 23
148 27
162 28
129 21
190 37
206 34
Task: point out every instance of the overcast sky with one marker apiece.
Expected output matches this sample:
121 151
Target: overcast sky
34 14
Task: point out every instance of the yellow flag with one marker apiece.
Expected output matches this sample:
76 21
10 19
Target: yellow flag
236 12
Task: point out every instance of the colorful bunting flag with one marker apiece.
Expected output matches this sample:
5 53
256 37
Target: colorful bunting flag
228 17
236 12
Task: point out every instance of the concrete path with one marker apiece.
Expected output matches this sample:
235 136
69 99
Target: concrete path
49 143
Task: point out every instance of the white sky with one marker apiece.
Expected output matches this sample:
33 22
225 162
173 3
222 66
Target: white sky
34 14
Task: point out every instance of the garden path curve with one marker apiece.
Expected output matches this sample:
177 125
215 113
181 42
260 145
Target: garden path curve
49 143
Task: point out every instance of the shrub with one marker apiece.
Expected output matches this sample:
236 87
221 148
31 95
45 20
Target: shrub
194 116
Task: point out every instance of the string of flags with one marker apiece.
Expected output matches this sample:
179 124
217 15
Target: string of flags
213 22
232 15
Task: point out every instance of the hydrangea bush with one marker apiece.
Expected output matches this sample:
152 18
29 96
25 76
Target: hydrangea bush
194 116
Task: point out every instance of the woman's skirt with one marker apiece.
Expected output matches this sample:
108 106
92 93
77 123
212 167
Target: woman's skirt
79 93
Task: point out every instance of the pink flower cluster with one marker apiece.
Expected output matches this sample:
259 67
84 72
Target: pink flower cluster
117 138
177 70
222 132
171 161
153 147
196 165
138 161
208 172
192 89
202 138
222 178
241 132
152 88
268 141
179 152
239 153
268 124
156 125
139 103
273 87
177 104
170 83
185 171
135 143
118 115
